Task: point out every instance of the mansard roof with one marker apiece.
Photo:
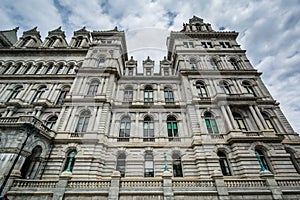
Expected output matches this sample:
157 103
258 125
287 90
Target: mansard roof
8 37
57 32
82 32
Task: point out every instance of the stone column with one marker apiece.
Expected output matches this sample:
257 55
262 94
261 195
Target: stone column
272 184
167 185
59 191
115 186
256 119
220 185
260 117
226 117
231 117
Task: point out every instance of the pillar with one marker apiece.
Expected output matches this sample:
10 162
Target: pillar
115 186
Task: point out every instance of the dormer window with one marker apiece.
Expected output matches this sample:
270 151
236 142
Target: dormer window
166 72
148 72
188 44
130 71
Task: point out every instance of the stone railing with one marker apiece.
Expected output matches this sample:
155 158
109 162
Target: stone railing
288 183
152 182
245 183
89 184
20 183
193 183
8 120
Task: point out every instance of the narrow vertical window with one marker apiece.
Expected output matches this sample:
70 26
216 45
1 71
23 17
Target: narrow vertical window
239 121
121 161
224 164
210 122
101 62
38 94
262 160
177 168
14 93
172 128
38 69
128 95
201 89
70 69
49 69
60 69
70 161
148 94
93 88
124 132
148 129
130 71
169 96
225 87
51 122
83 121
248 88
234 64
149 166
62 95
268 121
32 164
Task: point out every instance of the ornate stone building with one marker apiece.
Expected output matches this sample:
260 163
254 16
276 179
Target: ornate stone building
80 121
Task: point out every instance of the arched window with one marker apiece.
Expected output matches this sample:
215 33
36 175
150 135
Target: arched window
248 88
268 121
78 41
49 69
201 89
169 96
62 95
177 168
83 121
149 165
263 162
234 64
51 122
193 62
70 69
32 163
101 62
214 63
294 160
239 121
59 69
172 128
14 93
38 69
224 164
70 161
210 122
225 87
93 88
128 95
25 41
124 132
148 129
38 94
51 41
148 94
121 163
27 68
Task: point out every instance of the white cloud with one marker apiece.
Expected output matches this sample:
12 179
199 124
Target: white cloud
269 30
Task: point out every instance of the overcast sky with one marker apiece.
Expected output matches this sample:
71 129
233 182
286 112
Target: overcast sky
268 29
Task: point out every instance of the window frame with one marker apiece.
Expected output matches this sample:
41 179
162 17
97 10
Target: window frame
240 121
168 95
93 88
148 129
172 128
124 130
83 121
211 123
224 164
148 94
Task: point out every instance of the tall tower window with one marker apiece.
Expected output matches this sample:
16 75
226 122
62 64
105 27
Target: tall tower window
210 122
38 69
239 121
38 94
201 89
62 95
148 129
70 69
148 94
177 168
49 69
172 128
169 96
93 88
60 69
51 122
234 64
14 93
83 121
225 87
128 95
124 132
121 163
149 165
268 121
224 164
248 88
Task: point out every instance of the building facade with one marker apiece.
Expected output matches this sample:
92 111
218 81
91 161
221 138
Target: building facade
80 121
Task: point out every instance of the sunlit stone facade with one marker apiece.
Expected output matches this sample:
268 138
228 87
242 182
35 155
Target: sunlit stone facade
98 126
